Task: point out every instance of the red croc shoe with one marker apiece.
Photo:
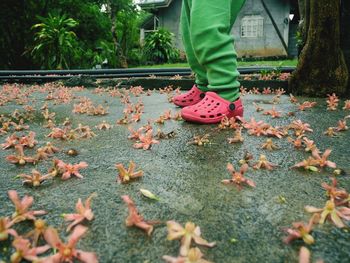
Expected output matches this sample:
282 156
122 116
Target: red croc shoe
193 96
212 109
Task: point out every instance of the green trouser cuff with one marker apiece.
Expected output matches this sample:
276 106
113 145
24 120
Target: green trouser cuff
206 30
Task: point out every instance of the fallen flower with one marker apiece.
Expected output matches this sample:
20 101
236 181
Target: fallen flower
24 250
146 141
19 157
55 169
41 154
341 126
332 102
331 212
333 192
306 105
124 120
126 175
309 145
269 145
276 132
82 212
200 140
300 128
264 163
104 126
194 256
39 230
163 135
187 234
238 178
273 112
22 207
346 105
308 164
135 219
67 252
71 169
58 133
50 149
302 231
298 143
135 135
5 228
237 137
331 132
322 161
10 141
35 179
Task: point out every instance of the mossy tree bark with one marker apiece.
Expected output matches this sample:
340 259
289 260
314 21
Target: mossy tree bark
321 68
345 35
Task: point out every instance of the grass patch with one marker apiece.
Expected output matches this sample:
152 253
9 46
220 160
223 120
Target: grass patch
271 63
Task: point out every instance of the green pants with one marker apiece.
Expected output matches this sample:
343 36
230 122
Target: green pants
206 31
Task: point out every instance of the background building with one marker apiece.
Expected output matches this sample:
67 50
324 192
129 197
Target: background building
264 28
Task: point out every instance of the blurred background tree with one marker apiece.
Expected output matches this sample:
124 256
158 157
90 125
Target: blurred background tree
106 31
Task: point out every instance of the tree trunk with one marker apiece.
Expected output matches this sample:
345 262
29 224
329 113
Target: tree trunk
113 12
345 35
321 68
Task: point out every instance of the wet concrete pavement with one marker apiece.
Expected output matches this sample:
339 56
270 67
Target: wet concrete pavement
187 180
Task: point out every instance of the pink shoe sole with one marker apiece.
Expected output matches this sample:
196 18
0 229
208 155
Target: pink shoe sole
193 96
212 109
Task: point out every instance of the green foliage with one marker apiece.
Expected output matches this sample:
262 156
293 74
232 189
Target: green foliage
55 44
159 47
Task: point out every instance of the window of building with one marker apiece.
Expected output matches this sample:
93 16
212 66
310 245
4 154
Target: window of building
252 26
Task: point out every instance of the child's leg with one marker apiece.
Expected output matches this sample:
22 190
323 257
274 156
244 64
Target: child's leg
210 33
196 94
197 68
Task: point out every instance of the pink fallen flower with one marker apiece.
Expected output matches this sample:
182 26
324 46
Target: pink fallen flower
39 230
189 233
69 170
335 193
22 207
308 164
146 141
10 141
82 212
5 228
237 137
25 251
19 157
341 126
35 179
273 112
67 252
306 105
238 178
126 175
28 141
264 163
301 230
331 212
332 102
50 149
135 219
322 161
300 128
135 134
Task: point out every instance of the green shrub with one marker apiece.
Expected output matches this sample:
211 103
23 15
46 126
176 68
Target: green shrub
159 47
55 45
